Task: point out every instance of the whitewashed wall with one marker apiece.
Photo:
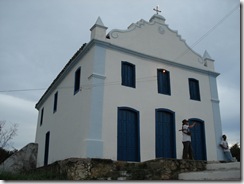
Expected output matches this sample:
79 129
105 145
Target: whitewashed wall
68 125
145 99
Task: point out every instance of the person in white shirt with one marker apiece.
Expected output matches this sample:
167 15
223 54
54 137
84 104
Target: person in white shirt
224 145
186 139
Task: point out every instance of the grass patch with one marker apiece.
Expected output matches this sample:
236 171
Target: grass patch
32 176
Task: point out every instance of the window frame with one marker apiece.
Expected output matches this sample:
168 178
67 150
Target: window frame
128 74
77 80
41 118
194 89
164 87
55 104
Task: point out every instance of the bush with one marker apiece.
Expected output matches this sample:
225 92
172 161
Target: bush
31 176
4 154
235 151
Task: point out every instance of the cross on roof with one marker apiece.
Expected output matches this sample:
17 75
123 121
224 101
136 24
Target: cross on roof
157 9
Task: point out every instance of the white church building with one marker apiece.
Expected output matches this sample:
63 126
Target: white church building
123 96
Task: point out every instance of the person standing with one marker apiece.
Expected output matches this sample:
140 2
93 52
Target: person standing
224 145
186 139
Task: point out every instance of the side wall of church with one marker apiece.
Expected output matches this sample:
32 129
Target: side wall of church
69 124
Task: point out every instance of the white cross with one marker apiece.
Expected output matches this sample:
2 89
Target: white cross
157 9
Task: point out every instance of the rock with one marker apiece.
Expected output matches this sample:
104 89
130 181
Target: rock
23 160
106 169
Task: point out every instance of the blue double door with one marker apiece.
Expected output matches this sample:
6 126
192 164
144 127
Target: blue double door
198 139
128 142
165 134
128 148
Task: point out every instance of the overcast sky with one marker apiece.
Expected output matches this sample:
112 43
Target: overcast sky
38 37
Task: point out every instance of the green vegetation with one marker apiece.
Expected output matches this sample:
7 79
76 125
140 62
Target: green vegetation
4 154
235 151
32 176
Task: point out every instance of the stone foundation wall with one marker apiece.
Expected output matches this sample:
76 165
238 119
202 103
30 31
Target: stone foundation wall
105 169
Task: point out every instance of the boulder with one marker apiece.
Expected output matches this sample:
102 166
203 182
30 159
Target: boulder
23 160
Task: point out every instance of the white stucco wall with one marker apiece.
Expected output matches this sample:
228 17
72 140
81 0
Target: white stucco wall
145 99
69 124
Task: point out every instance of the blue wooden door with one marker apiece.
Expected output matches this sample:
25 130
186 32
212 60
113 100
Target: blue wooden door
128 135
198 140
165 134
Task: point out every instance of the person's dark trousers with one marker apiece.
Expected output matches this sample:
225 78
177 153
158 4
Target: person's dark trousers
187 150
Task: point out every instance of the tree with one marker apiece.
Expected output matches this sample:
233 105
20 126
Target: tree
4 154
7 133
235 151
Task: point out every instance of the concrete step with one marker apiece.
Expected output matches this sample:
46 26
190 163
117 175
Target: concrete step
221 166
226 175
215 171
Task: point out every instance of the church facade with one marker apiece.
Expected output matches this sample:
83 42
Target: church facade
124 94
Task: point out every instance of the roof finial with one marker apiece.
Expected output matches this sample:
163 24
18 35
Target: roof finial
157 9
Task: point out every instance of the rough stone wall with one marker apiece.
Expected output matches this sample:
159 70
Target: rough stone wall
104 169
23 160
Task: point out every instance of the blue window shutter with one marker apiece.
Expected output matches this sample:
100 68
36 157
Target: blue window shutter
165 134
194 89
128 74
163 77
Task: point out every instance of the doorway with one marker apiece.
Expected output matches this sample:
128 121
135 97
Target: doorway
128 142
198 139
46 152
165 134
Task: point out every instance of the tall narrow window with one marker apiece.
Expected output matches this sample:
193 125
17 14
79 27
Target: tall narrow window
77 81
194 89
55 104
128 74
42 113
163 82
46 151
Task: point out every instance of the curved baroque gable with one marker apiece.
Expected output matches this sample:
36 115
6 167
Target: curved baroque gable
155 38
